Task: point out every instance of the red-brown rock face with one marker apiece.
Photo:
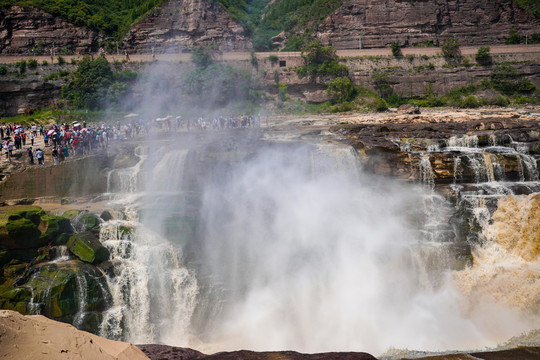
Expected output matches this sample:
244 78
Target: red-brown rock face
179 25
377 23
29 31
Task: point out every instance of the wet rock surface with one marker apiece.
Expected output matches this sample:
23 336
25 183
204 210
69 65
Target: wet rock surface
164 352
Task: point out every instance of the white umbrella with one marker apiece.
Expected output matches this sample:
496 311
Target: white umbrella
50 132
131 115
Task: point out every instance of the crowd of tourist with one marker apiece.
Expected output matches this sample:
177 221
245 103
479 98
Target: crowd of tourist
77 139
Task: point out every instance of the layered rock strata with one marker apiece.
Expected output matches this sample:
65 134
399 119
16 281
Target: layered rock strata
179 25
30 31
375 23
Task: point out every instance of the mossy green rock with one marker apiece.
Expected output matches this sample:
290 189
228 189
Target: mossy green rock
90 222
27 227
57 289
22 233
53 226
71 214
87 248
62 239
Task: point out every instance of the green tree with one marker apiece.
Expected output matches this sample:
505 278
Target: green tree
396 49
89 84
283 95
513 38
202 56
508 80
382 84
32 63
320 60
341 90
451 50
483 56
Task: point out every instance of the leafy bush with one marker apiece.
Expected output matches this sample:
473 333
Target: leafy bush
283 95
273 59
382 84
513 38
61 60
469 102
32 63
22 66
341 90
53 76
320 60
451 51
253 58
396 49
508 80
3 70
483 56
94 86
44 63
202 56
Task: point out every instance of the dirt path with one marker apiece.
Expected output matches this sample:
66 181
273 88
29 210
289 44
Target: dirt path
466 50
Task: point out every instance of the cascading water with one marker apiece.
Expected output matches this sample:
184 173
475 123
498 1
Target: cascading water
153 292
284 247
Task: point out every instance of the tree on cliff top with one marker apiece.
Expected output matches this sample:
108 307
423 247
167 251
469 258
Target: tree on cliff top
451 51
320 60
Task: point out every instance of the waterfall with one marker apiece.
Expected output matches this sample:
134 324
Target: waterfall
256 247
153 292
427 175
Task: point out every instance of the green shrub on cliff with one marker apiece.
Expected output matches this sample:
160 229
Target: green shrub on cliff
483 56
451 51
508 80
320 60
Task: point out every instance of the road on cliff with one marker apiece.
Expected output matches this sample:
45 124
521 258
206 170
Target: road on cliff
465 50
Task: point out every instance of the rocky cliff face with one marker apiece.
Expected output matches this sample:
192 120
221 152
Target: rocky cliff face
30 31
378 23
179 25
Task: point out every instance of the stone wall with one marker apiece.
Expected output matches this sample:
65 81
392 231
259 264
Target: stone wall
80 177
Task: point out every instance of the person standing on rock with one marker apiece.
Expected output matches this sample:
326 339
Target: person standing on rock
32 138
30 155
39 156
54 154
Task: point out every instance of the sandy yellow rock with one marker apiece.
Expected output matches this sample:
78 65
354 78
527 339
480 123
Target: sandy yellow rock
36 337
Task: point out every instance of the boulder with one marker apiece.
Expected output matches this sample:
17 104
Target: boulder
87 248
71 214
90 222
106 215
57 289
28 227
408 109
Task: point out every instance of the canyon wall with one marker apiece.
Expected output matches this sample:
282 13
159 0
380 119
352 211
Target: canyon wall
378 23
179 25
30 31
